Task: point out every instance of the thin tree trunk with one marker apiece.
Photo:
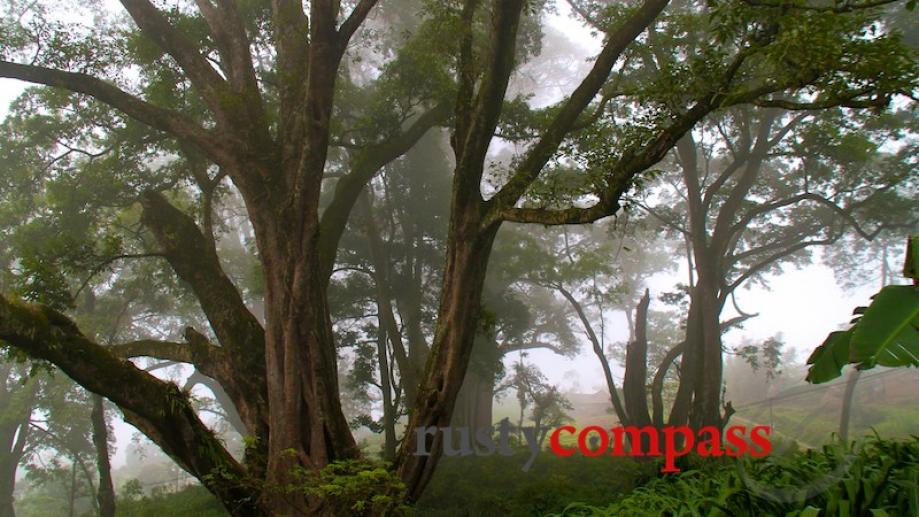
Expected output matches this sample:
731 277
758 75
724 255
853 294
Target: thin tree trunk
14 435
72 493
106 491
389 410
407 371
621 413
657 385
634 387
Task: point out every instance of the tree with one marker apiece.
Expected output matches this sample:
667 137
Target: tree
760 189
247 91
16 404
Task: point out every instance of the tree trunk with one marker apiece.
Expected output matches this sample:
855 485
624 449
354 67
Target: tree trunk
706 409
7 485
308 427
106 492
464 276
657 385
634 387
14 433
389 409
698 399
72 493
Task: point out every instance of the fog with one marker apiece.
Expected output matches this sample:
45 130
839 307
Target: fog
446 235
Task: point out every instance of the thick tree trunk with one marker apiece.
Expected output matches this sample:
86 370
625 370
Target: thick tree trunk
707 401
464 276
105 494
308 427
698 399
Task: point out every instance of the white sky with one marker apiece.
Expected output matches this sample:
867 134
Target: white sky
803 304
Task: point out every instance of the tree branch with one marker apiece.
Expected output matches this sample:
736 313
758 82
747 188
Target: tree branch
204 78
196 351
354 20
194 259
364 166
174 123
541 152
845 7
158 408
233 44
598 351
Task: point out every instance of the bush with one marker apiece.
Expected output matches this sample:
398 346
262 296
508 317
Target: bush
193 501
877 477
496 485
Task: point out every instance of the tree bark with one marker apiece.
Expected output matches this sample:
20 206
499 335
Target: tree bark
464 277
14 434
634 387
389 407
308 427
105 493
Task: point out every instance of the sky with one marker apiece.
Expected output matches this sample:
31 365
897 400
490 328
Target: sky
803 304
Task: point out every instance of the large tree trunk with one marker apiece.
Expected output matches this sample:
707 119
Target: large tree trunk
464 276
706 408
308 427
106 491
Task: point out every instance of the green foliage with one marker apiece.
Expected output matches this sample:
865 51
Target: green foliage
356 488
495 485
193 501
876 478
886 333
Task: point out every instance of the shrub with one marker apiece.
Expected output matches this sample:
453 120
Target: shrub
877 477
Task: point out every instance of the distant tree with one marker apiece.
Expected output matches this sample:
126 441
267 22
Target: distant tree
760 189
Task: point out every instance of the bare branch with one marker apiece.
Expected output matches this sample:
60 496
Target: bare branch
354 20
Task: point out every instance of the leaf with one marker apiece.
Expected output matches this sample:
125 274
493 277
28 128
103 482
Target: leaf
887 331
829 358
